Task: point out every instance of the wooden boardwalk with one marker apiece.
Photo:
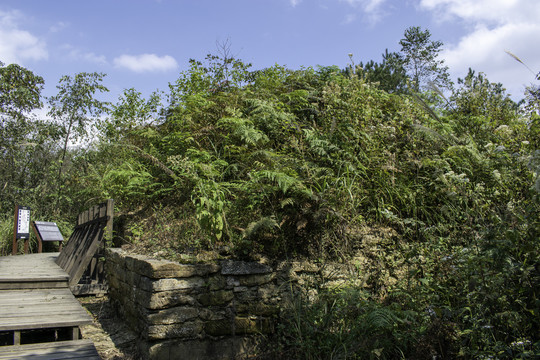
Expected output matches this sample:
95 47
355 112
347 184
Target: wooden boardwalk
35 297
77 349
32 271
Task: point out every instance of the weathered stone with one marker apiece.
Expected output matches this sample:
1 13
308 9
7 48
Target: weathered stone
232 282
245 326
115 255
256 309
170 284
252 280
240 326
190 329
217 282
207 314
230 267
215 298
173 315
219 327
158 269
164 299
265 293
247 296
237 289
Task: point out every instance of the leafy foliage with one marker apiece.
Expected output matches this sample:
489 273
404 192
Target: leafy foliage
296 163
420 59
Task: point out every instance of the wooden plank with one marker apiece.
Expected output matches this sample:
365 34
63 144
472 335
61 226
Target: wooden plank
87 256
76 349
34 285
31 271
38 309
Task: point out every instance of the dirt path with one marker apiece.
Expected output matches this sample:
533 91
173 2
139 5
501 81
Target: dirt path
112 338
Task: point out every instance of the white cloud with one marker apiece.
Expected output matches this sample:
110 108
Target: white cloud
59 26
494 11
497 26
372 10
17 45
76 54
295 2
146 63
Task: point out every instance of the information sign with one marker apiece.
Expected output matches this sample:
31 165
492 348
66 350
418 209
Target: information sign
48 231
21 228
23 222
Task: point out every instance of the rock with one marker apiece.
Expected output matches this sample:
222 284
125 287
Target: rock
173 315
230 267
148 284
216 298
190 329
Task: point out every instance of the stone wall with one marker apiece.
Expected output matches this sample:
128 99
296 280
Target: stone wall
214 310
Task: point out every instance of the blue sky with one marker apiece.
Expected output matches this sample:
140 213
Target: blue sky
145 44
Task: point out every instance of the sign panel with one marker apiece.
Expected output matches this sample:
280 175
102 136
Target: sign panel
23 222
48 231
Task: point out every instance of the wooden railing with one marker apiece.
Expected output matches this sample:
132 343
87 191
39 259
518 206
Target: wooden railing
83 255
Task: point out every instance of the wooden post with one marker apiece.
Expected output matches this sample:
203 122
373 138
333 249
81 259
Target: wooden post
109 228
40 241
75 333
16 337
14 248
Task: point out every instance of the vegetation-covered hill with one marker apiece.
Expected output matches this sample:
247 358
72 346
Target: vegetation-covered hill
304 163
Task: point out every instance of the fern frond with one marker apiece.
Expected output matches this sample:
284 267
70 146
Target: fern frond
151 158
381 318
266 223
284 181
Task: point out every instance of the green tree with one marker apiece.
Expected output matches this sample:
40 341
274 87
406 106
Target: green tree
479 107
75 106
420 59
389 74
132 111
20 90
20 93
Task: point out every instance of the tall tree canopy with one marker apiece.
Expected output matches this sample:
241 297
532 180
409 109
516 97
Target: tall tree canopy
420 59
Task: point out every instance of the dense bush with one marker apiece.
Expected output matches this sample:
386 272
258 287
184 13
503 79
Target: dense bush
295 163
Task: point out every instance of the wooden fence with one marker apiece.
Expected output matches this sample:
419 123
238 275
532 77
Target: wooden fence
83 255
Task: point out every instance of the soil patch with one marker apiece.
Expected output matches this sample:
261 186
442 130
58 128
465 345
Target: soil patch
112 338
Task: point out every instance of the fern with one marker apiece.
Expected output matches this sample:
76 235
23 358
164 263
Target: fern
243 129
267 223
381 318
284 181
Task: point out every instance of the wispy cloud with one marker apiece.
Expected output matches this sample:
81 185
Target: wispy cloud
59 26
146 63
492 11
372 10
497 25
16 44
295 2
75 54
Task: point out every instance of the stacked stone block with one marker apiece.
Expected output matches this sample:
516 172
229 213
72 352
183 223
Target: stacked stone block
214 310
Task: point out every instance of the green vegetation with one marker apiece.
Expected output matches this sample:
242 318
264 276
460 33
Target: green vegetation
299 163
